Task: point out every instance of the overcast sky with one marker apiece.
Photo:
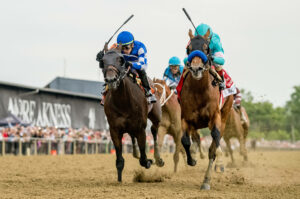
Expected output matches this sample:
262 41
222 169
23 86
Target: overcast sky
260 38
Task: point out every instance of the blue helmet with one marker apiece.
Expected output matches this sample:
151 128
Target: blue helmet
174 61
125 38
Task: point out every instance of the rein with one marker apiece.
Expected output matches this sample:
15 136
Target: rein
120 77
163 98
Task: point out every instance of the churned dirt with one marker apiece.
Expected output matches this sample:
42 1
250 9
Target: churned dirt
272 174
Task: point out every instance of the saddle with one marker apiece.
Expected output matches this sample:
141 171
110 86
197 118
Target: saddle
134 76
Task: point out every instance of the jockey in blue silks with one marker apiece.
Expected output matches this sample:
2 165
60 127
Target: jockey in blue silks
173 72
135 54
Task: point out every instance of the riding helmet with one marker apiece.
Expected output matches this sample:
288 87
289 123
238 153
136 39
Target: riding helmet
125 38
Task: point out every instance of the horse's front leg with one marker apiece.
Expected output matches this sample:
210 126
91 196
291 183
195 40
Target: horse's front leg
117 140
186 142
158 136
215 151
141 139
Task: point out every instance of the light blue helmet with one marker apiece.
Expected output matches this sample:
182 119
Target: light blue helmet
202 29
174 61
125 38
185 61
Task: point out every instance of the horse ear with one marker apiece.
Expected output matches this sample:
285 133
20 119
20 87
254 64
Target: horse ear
105 47
119 47
191 34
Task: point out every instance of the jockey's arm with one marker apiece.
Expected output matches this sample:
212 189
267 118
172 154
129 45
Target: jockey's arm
218 53
171 83
141 64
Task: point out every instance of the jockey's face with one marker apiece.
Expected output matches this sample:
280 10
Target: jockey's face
174 69
206 36
127 49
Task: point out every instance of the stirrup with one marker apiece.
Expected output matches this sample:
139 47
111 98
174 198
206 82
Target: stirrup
222 85
151 99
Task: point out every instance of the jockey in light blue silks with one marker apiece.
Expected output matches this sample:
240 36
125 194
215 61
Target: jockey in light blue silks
217 53
173 72
216 50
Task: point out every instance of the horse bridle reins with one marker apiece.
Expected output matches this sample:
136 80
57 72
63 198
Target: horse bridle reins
121 73
164 99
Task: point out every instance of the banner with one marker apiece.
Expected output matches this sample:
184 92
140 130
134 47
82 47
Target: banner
44 108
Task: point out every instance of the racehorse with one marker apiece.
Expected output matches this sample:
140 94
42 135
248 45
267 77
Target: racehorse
126 107
170 121
238 129
200 106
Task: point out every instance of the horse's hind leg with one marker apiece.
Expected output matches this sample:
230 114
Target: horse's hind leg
197 140
135 152
141 139
186 142
117 140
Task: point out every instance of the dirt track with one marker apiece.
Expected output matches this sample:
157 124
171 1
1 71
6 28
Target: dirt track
268 175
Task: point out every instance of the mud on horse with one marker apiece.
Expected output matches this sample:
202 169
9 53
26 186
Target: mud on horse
126 108
200 106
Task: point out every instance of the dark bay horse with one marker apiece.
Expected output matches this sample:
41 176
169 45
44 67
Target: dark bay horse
200 107
126 108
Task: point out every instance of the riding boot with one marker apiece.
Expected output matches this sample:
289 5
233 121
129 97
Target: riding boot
143 76
218 79
238 109
222 85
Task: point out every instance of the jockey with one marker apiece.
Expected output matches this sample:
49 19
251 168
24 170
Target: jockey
173 72
218 59
216 48
135 55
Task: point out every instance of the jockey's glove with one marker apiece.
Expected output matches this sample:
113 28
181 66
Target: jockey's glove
128 64
100 55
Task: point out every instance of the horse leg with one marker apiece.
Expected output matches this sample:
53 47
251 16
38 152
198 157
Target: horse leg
227 141
160 133
141 139
117 140
215 151
243 149
186 142
157 149
197 140
177 150
135 152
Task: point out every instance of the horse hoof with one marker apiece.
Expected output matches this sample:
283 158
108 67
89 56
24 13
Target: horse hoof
148 164
219 168
205 186
192 162
160 162
202 156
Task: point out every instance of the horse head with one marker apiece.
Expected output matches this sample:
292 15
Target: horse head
197 51
113 67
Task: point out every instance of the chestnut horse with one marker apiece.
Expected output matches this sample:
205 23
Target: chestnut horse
126 108
170 121
238 129
200 107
